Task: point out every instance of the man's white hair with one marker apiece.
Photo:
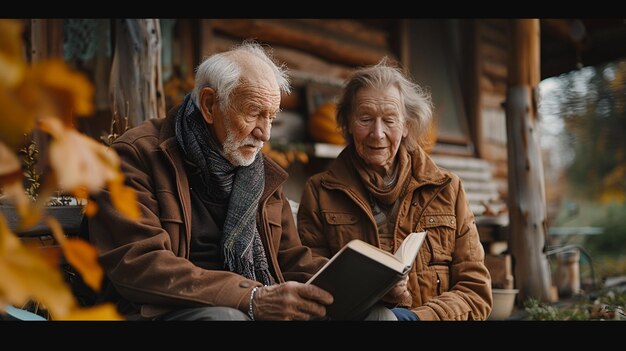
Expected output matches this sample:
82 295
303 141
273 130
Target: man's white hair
222 73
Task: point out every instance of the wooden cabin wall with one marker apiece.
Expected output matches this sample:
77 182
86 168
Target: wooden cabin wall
491 57
324 51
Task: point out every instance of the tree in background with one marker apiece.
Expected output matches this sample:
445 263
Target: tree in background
589 109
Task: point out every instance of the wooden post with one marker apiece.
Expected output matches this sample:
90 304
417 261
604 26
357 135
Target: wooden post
46 42
136 86
46 36
527 204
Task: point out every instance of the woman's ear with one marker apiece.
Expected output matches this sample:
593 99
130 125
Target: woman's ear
206 101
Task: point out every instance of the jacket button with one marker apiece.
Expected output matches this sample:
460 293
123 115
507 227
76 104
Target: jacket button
244 284
414 203
334 218
431 220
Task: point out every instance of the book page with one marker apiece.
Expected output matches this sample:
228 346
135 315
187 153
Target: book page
407 251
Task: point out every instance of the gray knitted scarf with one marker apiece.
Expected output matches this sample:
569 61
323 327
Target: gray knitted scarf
237 190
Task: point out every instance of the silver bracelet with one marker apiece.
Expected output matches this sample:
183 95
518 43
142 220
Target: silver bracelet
250 312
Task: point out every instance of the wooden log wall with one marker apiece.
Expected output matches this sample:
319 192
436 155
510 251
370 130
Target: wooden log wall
314 50
491 72
342 41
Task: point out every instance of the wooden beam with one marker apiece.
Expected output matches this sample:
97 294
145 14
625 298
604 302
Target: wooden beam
405 46
207 45
492 36
493 52
476 91
495 69
525 64
277 32
293 59
493 100
526 202
350 29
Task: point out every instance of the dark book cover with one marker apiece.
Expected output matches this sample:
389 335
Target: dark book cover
356 282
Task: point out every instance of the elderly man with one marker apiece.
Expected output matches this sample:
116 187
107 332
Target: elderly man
217 238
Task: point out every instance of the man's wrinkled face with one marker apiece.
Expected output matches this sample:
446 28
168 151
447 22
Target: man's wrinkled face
247 122
243 124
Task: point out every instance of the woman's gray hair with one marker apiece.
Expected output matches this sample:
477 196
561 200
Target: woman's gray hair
417 101
223 74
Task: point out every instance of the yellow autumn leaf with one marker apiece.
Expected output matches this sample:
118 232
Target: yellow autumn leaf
124 199
26 275
102 312
90 209
16 117
13 189
64 93
84 258
31 215
10 167
80 162
12 64
80 254
77 160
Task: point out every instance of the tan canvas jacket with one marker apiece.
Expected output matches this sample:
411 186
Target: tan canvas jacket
449 280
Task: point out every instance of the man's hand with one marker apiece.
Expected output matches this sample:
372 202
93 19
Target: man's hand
290 301
399 295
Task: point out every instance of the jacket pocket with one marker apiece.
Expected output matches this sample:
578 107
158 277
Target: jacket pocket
170 210
341 227
440 239
443 279
274 218
339 218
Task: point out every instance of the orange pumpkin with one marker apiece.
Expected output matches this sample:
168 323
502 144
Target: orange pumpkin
323 125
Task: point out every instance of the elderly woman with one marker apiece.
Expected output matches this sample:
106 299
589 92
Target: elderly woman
384 186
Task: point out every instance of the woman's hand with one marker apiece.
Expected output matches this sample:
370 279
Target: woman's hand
290 301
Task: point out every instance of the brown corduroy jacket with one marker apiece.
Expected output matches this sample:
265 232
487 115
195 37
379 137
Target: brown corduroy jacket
146 261
449 280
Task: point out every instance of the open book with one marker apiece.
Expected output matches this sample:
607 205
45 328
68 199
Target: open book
360 274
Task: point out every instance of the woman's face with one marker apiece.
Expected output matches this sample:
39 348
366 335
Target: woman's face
377 126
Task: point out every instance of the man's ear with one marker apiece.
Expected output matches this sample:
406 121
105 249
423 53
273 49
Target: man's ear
207 102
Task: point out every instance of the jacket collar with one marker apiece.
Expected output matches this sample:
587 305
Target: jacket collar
424 172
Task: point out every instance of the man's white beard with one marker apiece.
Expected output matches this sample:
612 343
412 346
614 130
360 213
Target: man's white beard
232 153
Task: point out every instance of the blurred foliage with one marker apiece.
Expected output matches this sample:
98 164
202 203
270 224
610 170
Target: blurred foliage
592 105
540 311
613 241
608 306
49 95
608 266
